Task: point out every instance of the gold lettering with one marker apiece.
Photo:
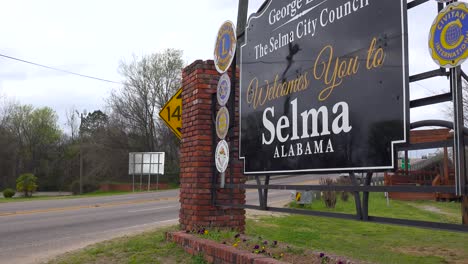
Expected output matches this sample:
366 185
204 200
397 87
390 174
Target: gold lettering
271 92
224 52
258 96
342 68
250 92
378 56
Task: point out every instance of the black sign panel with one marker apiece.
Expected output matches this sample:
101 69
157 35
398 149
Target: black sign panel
323 86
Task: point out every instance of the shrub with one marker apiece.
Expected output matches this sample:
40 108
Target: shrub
75 187
329 197
26 183
90 187
8 193
344 181
87 187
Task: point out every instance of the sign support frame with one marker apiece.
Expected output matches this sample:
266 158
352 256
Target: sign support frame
362 212
459 143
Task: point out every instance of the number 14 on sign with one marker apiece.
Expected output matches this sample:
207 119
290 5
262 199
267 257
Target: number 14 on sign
171 113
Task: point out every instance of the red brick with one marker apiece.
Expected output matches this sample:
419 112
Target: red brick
199 84
216 253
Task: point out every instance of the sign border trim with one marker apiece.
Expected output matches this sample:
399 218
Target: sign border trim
405 73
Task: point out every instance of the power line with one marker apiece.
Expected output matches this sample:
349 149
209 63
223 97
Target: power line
59 70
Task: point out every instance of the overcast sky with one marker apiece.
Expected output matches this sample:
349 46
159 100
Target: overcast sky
91 37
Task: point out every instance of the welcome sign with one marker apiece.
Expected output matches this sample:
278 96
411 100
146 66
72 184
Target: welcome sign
323 86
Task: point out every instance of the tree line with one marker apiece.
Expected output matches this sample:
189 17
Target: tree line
96 142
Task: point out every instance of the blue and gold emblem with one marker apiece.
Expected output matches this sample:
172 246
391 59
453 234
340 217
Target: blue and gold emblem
223 89
225 47
448 38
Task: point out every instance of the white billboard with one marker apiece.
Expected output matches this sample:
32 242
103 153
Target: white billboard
146 163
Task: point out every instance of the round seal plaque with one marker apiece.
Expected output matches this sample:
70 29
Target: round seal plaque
222 156
222 122
225 47
448 41
224 89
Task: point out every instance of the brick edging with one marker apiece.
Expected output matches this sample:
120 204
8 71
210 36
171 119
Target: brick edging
214 252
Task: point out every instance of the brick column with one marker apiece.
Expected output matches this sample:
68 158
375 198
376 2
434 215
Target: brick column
199 82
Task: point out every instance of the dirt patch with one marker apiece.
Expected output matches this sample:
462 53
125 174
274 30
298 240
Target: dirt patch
257 214
449 255
434 209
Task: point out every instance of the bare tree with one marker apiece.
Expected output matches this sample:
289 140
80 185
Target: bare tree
465 101
149 83
72 122
449 109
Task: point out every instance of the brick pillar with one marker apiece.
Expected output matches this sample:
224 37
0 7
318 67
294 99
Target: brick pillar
199 82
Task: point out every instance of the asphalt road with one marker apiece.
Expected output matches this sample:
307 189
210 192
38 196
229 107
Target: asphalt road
31 232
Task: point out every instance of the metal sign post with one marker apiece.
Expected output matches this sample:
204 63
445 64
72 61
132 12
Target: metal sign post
157 174
149 174
133 175
459 143
141 174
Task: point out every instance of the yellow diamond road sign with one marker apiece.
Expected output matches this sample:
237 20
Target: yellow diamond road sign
171 113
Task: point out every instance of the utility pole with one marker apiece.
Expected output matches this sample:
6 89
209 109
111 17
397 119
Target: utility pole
81 169
81 153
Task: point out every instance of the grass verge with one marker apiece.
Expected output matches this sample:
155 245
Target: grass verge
444 212
371 242
377 243
367 242
87 195
149 247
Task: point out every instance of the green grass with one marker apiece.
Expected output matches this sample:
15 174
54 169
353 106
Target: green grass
102 193
87 195
372 242
364 241
417 210
150 247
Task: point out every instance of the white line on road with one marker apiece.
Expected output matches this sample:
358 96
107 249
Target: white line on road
152 209
168 221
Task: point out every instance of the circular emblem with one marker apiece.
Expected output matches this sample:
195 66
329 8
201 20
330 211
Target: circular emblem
225 46
224 89
222 156
222 122
448 38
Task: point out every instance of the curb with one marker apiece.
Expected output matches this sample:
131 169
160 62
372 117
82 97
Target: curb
214 252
